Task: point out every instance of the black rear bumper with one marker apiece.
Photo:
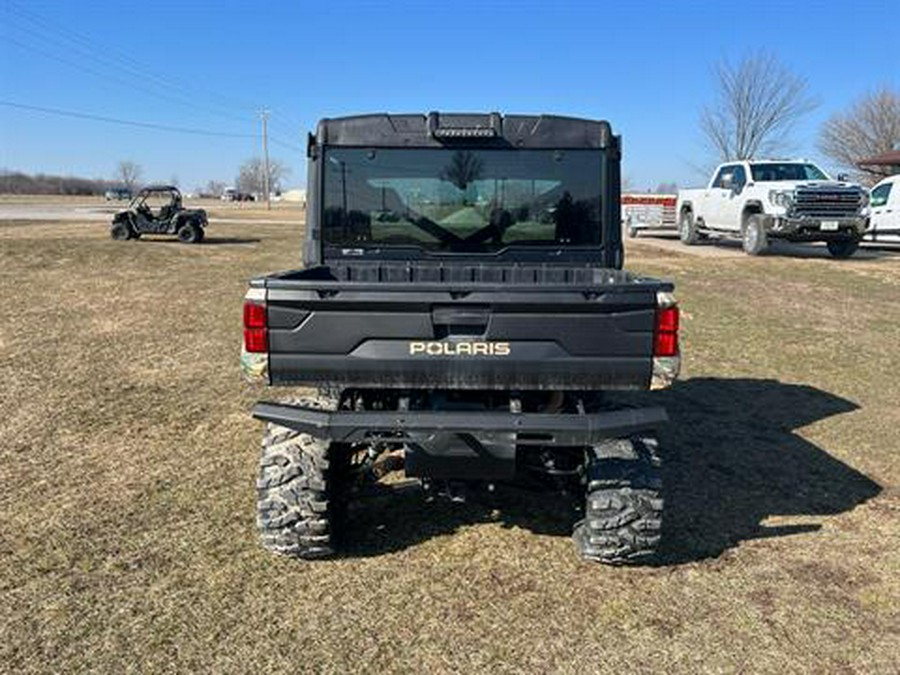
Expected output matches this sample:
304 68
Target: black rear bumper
525 428
463 445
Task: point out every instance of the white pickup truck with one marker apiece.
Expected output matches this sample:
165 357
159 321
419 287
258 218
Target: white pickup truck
759 200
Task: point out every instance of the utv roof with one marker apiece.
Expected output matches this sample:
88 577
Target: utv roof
457 129
158 188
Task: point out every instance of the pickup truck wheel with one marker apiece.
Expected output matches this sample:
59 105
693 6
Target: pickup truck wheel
842 248
300 491
120 231
189 234
753 237
623 512
687 229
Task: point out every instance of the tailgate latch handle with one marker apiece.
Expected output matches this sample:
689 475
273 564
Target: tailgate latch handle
460 320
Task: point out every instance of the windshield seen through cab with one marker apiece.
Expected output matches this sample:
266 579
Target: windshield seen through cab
461 200
778 171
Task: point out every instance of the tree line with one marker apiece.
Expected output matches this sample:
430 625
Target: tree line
19 183
129 174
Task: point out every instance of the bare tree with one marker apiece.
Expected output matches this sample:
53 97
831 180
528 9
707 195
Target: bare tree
251 175
870 127
758 101
128 173
214 188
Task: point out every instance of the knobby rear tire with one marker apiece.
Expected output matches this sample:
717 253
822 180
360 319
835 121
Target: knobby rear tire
624 506
300 490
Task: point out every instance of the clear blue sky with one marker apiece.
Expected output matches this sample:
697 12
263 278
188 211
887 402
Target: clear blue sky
647 67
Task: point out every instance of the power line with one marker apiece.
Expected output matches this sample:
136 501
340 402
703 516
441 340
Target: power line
140 77
106 56
131 123
111 77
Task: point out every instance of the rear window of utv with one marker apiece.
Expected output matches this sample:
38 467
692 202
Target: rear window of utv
461 200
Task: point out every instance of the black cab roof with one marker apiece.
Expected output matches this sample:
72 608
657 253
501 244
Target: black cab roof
483 129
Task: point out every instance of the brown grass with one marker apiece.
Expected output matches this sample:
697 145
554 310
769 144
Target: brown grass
127 461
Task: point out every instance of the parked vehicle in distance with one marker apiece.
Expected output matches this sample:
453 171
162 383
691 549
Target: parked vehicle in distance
645 211
884 211
761 200
158 209
462 313
235 195
117 194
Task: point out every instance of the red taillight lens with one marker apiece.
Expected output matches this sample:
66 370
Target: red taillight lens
256 340
665 335
256 334
667 320
254 315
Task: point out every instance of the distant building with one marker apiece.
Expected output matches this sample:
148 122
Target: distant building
297 195
888 162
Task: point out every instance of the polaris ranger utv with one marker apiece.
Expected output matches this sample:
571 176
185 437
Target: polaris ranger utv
462 310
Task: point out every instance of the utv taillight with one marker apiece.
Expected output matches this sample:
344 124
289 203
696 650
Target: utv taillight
256 334
665 333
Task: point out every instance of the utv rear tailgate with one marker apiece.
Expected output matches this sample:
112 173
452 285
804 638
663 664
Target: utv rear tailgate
579 328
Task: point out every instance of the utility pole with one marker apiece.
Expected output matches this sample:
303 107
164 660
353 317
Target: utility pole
264 115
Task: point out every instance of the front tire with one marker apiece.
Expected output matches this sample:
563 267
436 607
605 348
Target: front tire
624 506
300 491
687 229
189 233
842 248
753 238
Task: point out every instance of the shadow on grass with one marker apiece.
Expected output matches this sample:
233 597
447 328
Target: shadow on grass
213 241
782 248
207 241
803 250
732 460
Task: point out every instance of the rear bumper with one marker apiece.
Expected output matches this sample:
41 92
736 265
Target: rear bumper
463 445
519 428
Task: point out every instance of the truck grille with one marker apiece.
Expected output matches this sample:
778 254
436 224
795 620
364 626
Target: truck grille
827 203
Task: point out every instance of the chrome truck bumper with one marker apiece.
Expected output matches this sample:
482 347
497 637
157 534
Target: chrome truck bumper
815 229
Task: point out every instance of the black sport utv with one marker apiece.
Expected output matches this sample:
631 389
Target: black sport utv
157 209
462 311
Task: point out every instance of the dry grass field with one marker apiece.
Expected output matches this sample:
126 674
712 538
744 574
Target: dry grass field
127 460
